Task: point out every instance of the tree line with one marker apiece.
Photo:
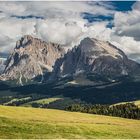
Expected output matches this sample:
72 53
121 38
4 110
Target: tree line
128 110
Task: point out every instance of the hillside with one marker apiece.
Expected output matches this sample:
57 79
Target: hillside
21 122
137 103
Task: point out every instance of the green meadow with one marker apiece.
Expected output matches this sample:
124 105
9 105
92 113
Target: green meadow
23 122
137 103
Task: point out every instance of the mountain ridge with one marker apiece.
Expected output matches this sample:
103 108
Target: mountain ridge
33 58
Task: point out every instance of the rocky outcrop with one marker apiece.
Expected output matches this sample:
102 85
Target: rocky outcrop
97 58
2 64
31 58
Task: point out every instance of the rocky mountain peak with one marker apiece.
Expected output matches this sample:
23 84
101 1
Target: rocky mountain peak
95 57
24 41
92 46
31 57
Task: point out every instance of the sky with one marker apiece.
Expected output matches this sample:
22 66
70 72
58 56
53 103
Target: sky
68 22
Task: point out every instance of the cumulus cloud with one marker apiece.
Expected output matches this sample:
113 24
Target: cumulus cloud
12 29
126 31
63 23
128 23
59 31
56 9
99 30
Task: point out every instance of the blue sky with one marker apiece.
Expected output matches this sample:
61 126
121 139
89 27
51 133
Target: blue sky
123 5
118 6
67 23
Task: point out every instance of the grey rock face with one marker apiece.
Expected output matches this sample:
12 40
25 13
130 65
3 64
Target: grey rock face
31 58
2 64
96 57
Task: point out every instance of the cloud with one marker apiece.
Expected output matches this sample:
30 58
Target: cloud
127 24
12 29
136 5
99 30
59 31
63 23
126 32
4 43
56 9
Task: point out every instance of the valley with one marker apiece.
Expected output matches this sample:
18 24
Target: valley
126 91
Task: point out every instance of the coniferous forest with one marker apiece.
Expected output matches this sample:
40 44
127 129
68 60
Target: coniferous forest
128 110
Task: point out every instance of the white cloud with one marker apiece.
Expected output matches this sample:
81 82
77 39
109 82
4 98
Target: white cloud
56 9
136 5
64 24
62 21
59 31
11 8
127 24
99 30
126 31
12 29
16 27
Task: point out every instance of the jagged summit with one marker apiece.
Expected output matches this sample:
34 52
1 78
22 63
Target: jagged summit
29 41
24 41
92 45
95 57
34 58
31 58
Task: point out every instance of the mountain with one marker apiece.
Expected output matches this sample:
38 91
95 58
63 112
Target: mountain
94 72
30 59
93 61
90 63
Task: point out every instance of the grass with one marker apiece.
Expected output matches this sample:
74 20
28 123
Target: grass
22 122
137 103
55 102
48 100
17 100
43 101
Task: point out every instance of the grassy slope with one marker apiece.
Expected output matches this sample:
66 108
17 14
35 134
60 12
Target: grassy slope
137 103
55 102
44 101
21 122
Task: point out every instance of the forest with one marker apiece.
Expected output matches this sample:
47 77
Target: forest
128 110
